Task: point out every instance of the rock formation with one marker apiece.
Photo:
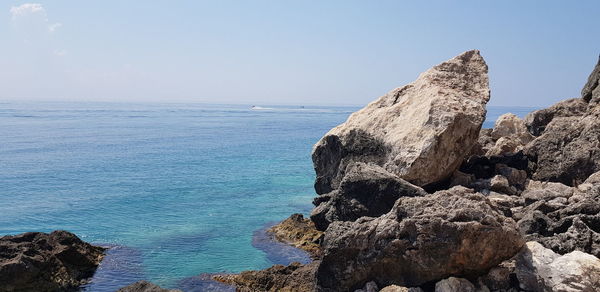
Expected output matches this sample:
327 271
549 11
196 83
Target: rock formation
145 286
420 132
591 91
568 149
299 232
539 269
422 239
365 190
536 180
36 261
292 278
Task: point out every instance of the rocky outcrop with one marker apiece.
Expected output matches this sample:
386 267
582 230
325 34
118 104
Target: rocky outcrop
450 233
539 269
562 218
420 132
292 278
366 190
36 261
145 286
299 232
591 91
537 121
568 149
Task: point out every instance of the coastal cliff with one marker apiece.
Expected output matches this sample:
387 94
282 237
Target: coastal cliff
415 196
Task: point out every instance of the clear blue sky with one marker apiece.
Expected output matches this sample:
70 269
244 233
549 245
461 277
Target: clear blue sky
288 52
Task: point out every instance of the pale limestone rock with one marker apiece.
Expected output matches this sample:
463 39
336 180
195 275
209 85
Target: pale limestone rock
509 125
420 132
540 269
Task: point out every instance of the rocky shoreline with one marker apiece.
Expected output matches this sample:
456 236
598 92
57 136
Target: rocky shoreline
413 195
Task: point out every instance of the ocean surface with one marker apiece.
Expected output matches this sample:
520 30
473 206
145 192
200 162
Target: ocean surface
177 191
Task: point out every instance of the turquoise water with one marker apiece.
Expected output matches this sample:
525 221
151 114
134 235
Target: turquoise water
177 189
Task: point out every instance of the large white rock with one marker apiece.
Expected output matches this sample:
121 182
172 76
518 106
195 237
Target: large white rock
420 132
540 269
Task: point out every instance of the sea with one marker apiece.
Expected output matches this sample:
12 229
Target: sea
176 191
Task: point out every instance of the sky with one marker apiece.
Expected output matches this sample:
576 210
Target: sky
288 52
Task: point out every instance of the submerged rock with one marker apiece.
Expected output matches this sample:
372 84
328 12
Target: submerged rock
36 261
299 232
145 286
366 190
451 233
420 132
539 269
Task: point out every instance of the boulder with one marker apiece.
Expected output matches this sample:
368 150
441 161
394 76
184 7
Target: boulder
537 121
366 190
420 132
561 218
509 125
291 278
539 269
453 284
591 91
299 232
456 232
36 261
568 151
145 286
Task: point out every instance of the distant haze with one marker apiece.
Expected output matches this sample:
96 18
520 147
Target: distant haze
288 52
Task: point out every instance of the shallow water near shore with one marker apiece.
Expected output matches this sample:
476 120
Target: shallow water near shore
177 190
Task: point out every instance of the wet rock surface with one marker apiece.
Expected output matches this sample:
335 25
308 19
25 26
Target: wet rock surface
299 232
36 261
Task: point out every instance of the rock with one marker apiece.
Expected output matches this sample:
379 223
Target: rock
144 286
36 261
504 145
461 179
568 151
420 132
484 143
501 278
516 177
540 269
500 184
396 288
537 121
509 125
299 232
369 287
291 278
453 284
366 190
555 219
591 91
456 232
